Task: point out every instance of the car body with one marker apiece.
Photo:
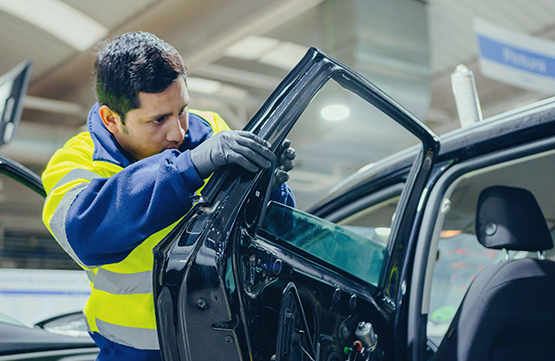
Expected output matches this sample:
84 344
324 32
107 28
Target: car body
376 270
21 342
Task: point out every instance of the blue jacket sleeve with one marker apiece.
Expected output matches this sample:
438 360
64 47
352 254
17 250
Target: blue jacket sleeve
283 195
110 217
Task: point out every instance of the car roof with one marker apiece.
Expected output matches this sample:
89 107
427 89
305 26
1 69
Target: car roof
530 122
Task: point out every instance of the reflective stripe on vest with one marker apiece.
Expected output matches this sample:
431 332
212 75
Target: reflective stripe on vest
74 174
123 299
123 283
58 220
90 275
141 338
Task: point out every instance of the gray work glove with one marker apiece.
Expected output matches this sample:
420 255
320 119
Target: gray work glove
284 163
231 147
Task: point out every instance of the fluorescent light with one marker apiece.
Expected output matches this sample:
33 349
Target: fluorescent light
382 231
335 112
251 47
204 86
59 19
270 51
285 56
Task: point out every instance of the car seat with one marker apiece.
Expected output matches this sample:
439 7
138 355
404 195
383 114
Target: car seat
508 312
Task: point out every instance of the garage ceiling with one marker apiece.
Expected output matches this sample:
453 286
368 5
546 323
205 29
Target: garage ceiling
203 31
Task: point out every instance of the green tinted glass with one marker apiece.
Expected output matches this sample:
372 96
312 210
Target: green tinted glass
351 252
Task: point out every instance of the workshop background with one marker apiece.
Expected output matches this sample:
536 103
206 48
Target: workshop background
237 52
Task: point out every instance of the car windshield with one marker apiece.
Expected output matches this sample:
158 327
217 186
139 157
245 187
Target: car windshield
361 256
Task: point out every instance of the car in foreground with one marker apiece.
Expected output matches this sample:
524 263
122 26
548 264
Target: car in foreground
380 268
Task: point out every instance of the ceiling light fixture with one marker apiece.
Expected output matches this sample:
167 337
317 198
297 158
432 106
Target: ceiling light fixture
270 51
59 19
251 47
285 55
382 231
335 112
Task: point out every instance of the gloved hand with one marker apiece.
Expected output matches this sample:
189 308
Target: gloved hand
227 147
284 163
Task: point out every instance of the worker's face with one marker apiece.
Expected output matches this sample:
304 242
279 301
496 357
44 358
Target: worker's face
160 122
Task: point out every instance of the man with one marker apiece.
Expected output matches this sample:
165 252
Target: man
116 190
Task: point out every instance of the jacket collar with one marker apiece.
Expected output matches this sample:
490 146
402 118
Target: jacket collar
106 148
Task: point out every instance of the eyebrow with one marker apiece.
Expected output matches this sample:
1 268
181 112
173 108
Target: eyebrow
161 116
158 116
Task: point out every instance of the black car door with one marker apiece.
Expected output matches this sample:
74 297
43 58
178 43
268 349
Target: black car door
245 278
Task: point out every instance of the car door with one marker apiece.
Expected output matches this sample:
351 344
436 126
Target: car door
242 277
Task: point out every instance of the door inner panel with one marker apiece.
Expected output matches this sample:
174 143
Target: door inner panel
298 309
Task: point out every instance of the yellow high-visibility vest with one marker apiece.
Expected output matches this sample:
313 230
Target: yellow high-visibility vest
121 304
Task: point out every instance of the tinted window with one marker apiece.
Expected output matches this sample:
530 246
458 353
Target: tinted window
356 254
374 221
337 136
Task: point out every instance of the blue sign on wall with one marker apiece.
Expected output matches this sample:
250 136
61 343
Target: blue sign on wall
516 58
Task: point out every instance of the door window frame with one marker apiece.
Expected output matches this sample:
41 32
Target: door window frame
283 108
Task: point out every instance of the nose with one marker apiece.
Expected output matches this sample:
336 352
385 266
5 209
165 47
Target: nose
175 132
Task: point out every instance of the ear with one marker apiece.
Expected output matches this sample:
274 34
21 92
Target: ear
110 118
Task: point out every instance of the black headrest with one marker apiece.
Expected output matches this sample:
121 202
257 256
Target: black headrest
511 218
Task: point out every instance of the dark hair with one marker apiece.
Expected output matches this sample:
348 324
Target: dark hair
132 63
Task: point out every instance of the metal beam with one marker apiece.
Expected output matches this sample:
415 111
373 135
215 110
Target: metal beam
238 76
53 106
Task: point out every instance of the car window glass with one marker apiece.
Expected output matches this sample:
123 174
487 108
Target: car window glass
337 135
38 279
359 255
373 222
